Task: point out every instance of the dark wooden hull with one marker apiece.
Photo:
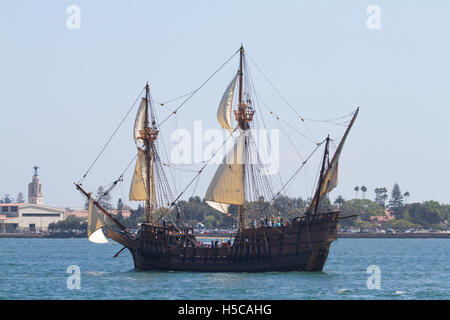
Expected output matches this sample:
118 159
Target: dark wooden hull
302 246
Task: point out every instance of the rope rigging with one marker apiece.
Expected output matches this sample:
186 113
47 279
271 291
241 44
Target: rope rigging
282 97
203 167
192 93
196 90
112 136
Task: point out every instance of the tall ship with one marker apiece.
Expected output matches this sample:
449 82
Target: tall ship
238 188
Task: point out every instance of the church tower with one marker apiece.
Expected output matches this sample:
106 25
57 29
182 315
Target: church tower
35 189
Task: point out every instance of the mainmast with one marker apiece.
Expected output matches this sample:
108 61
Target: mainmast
243 116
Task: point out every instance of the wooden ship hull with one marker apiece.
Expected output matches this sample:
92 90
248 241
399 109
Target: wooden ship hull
302 246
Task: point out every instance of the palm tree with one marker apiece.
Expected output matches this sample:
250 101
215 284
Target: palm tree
384 197
339 201
356 191
406 195
363 190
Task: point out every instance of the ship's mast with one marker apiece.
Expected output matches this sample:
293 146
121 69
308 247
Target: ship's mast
322 171
147 143
243 117
149 135
242 125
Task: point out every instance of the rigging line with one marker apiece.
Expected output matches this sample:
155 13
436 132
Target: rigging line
298 170
114 133
277 117
170 166
173 99
282 97
270 111
196 90
120 179
295 173
195 186
334 119
201 170
262 117
167 157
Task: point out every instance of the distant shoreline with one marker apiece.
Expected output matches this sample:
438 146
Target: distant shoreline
428 235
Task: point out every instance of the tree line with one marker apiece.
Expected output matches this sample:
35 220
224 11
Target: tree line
429 214
7 198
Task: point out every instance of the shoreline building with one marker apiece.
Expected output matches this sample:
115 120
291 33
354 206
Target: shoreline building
32 216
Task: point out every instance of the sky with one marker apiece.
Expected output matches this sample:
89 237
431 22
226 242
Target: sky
64 91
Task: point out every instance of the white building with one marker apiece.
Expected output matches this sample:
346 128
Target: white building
31 216
16 217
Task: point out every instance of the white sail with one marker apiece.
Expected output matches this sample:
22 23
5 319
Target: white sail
138 189
227 185
139 123
225 106
95 224
138 184
98 237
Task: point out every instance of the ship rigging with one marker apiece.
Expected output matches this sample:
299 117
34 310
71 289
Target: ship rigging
238 187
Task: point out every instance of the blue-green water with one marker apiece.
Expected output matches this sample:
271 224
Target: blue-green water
410 269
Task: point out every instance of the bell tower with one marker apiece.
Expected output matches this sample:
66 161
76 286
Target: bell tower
35 189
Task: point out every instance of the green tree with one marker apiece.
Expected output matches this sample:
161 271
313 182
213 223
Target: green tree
381 196
365 208
424 214
103 198
7 198
339 201
70 225
396 197
20 198
401 224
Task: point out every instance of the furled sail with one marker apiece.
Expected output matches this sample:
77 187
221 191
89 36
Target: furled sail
138 189
95 223
139 123
330 176
225 106
227 185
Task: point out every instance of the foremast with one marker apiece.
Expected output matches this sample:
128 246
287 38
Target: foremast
149 183
148 135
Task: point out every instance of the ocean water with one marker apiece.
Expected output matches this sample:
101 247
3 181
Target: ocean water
409 269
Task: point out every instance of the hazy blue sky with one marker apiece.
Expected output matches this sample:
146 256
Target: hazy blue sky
64 91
